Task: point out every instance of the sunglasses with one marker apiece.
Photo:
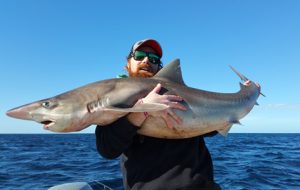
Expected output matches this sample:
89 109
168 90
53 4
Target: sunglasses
140 55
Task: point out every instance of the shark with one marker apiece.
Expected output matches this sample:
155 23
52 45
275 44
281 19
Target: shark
105 101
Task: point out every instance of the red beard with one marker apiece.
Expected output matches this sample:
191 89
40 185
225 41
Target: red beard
142 70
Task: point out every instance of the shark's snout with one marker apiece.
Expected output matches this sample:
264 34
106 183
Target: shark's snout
18 113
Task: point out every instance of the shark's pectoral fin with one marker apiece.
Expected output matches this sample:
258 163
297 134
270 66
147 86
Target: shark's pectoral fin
145 107
235 122
225 130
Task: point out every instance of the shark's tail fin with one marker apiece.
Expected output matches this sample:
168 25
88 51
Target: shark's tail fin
243 78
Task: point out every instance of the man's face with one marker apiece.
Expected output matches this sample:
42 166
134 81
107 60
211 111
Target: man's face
143 67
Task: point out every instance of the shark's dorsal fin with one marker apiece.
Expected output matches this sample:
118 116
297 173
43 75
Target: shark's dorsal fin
171 72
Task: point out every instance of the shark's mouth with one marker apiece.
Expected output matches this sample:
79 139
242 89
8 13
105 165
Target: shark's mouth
47 123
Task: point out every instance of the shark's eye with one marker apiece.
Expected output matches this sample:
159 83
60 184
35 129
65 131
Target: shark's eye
48 105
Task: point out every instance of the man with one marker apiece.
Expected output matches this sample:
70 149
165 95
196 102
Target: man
152 163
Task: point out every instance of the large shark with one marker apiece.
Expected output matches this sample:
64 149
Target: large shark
105 101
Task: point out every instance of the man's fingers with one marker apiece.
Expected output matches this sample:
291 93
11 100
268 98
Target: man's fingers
173 101
175 117
174 98
247 83
157 88
177 105
168 121
169 117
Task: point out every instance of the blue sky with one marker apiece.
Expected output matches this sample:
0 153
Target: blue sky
49 47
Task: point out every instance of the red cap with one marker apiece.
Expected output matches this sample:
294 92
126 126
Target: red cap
148 42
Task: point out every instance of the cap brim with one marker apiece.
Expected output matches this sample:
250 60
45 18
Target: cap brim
151 43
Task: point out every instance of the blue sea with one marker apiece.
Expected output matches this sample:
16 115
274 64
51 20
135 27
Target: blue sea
241 161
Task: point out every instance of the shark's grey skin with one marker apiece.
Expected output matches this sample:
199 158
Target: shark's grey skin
105 101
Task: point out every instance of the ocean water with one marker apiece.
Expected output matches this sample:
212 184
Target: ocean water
241 161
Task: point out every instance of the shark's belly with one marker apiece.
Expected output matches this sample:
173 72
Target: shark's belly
191 127
197 121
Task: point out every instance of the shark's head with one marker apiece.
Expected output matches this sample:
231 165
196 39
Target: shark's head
57 115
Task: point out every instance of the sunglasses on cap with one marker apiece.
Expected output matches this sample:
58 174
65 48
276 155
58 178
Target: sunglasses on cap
140 55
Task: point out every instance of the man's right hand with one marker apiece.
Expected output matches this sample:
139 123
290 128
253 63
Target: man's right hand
172 101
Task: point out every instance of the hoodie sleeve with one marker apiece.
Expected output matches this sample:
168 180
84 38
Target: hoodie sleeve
113 139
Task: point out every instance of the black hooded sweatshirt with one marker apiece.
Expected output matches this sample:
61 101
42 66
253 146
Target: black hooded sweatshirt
156 164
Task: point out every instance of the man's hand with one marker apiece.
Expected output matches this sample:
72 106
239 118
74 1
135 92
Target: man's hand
172 101
248 83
